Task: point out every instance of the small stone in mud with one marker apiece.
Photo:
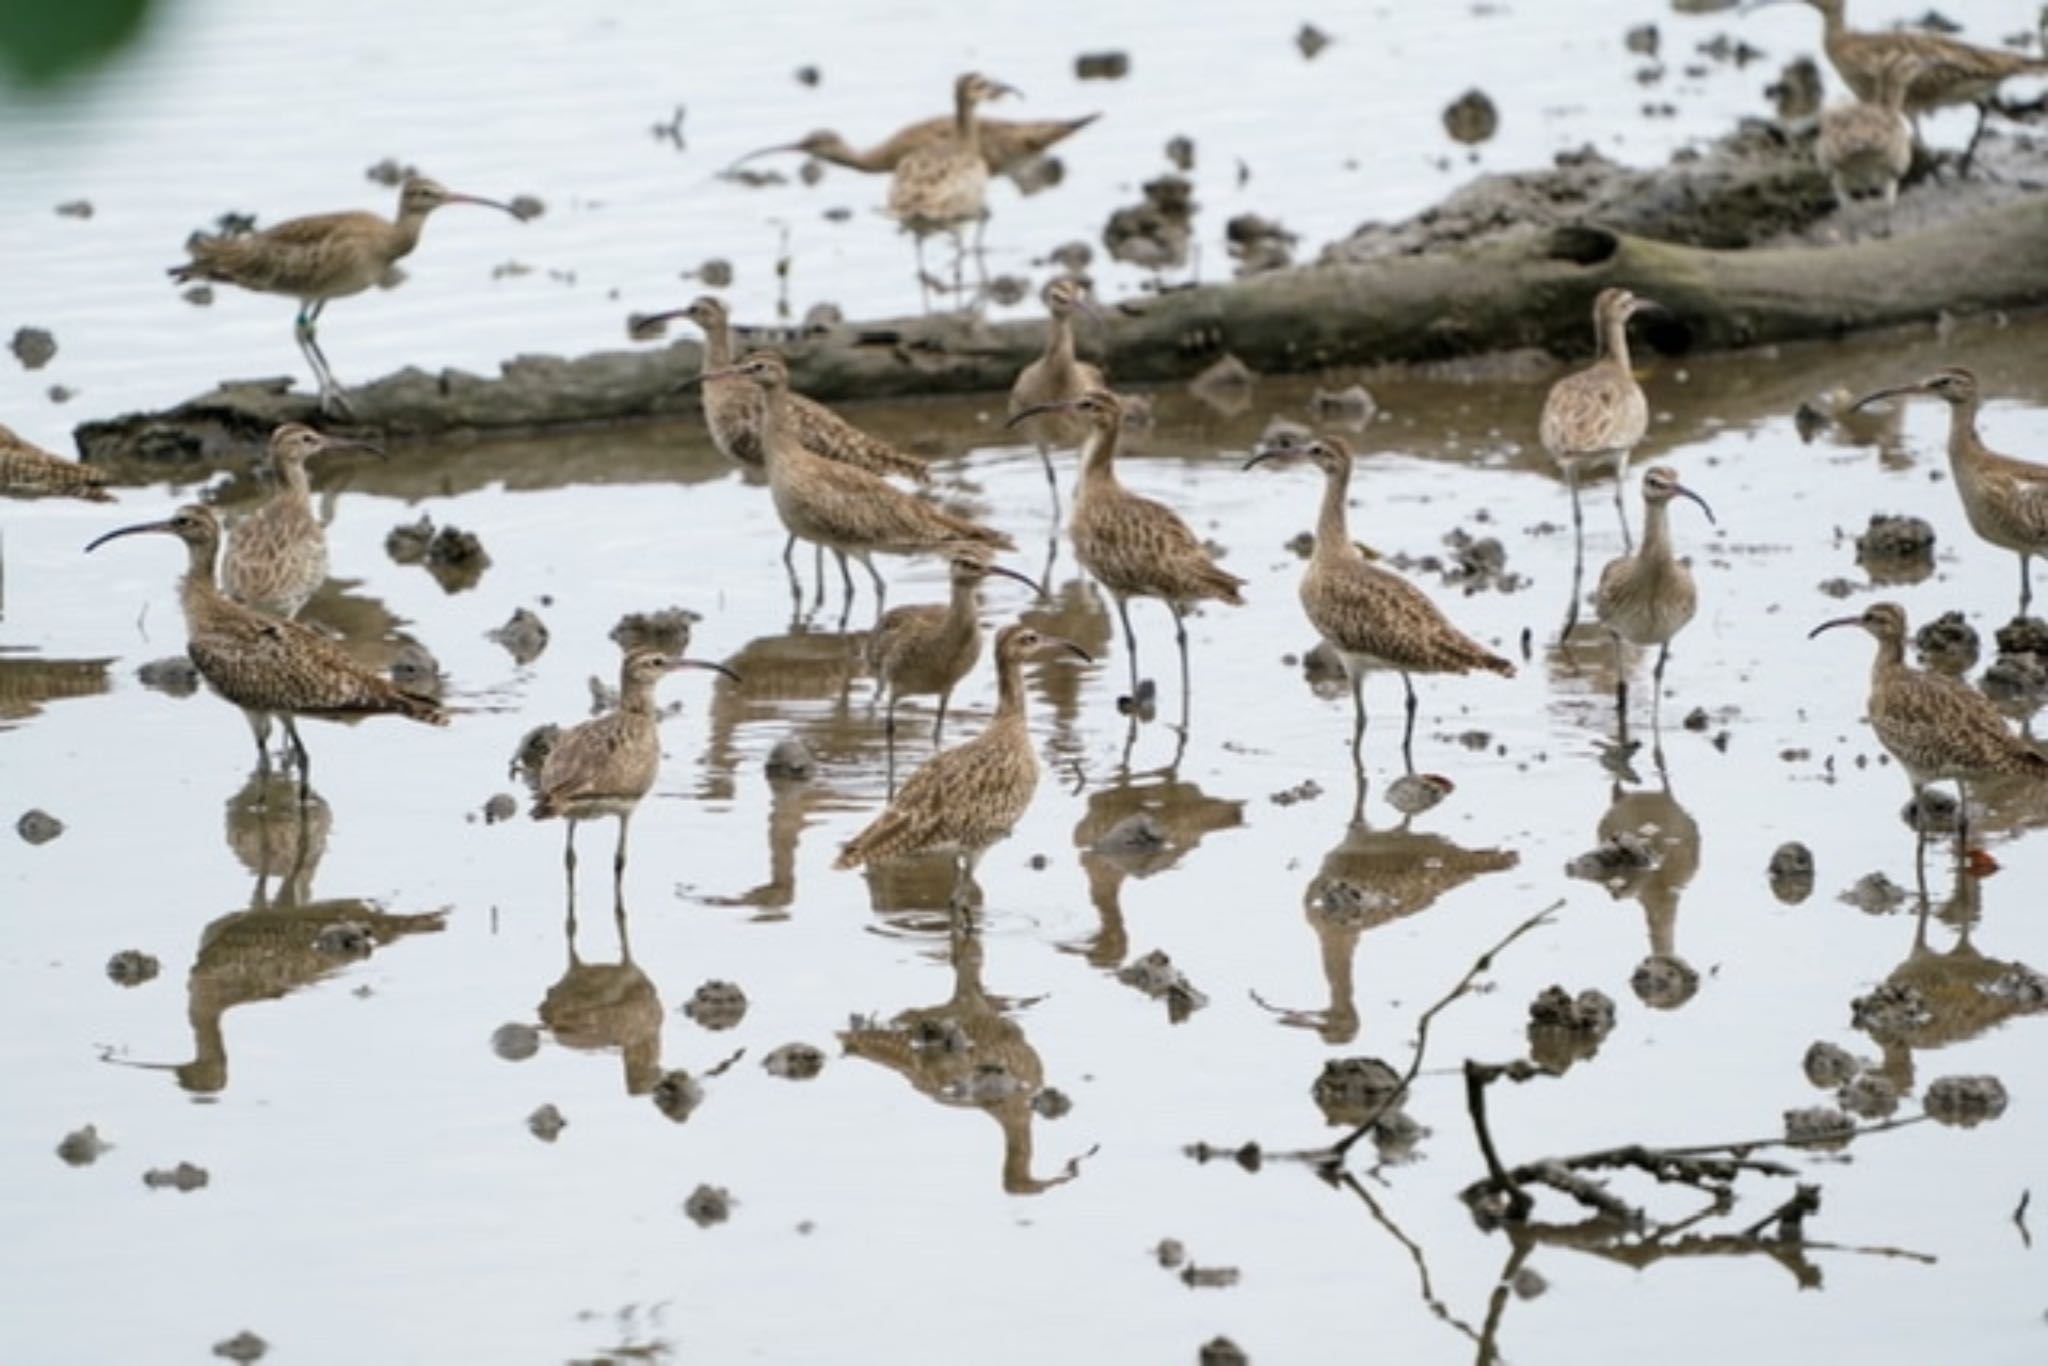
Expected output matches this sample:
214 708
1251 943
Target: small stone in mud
1664 981
1615 860
1872 1095
132 967
82 1147
1829 1066
1590 1012
1137 833
526 207
515 1042
390 173
2016 680
792 759
1170 1253
1836 588
986 1083
1411 794
1931 811
1258 244
524 636
244 1346
794 1062
199 296
1221 1351
1948 644
75 208
1210 1277
717 1005
715 273
33 347
1890 1011
1641 40
183 1178
546 1123
407 542
1697 720
808 75
1964 1101
60 393
1052 1103
1283 434
38 826
1156 976
1471 118
1180 150
350 939
1007 291
1528 1284
1102 66
1225 384
2021 985
667 630
2024 636
1311 40
455 548
1875 894
1797 91
677 1094
1302 544
1307 790
532 753
1072 257
1352 407
1895 538
708 1205
819 317
1821 1124
501 807
1348 1090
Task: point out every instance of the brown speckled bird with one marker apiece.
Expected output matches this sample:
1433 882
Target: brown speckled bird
605 766
1648 597
1866 146
1133 546
965 799
928 648
847 510
277 555
1372 617
29 471
1595 417
1057 376
1948 72
1004 143
2005 499
942 186
321 257
266 666
1937 727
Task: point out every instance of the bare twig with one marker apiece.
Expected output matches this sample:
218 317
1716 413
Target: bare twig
2019 1217
1481 964
1414 1250
1790 1217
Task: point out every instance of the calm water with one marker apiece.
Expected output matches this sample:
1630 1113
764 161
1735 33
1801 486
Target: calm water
375 1193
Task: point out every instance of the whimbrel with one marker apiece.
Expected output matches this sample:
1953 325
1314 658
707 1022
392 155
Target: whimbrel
1004 143
2005 499
1937 727
942 186
1133 546
1866 146
1372 617
928 648
266 666
1647 597
1056 377
319 258
965 799
732 413
277 555
604 767
1948 72
29 471
847 510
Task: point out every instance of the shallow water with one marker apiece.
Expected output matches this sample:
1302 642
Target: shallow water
375 1193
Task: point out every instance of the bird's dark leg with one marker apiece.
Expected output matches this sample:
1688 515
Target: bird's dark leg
1180 639
619 858
939 726
796 587
2026 584
845 578
1357 720
1628 540
1962 821
332 399
924 287
1976 135
1052 480
1123 612
1621 686
881 588
1571 610
1408 732
259 726
889 743
291 731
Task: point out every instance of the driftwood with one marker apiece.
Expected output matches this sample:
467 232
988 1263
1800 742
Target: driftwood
1530 291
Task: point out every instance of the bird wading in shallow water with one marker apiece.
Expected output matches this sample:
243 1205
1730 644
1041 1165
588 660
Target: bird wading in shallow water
319 258
942 186
1648 597
967 798
1004 143
277 555
1057 376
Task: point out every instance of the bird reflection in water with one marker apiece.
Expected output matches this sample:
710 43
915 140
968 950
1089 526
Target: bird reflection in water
1648 853
1136 829
26 683
1373 878
598 1006
968 1052
283 942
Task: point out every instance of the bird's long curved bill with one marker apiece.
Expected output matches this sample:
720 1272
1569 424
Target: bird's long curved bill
1260 457
1033 584
349 443
138 529
766 152
1039 410
1684 492
1891 391
1062 643
1831 625
483 203
676 664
